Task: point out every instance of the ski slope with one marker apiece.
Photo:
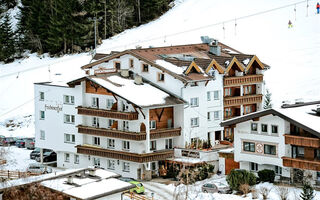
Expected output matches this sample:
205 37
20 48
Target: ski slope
293 54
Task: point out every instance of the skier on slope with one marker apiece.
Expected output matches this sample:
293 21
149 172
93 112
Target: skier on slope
318 8
290 24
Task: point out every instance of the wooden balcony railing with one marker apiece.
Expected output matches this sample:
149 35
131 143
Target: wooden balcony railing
123 155
301 163
154 134
302 141
243 80
107 113
240 100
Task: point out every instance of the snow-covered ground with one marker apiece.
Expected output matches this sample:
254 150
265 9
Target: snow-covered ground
18 159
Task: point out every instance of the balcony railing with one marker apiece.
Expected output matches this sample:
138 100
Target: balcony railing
122 155
154 134
243 80
107 113
240 100
301 163
302 141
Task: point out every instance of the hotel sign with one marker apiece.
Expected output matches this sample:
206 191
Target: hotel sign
57 108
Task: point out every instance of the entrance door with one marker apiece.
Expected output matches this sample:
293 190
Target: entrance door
139 173
217 135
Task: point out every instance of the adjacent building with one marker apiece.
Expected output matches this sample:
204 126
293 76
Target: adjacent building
134 107
286 140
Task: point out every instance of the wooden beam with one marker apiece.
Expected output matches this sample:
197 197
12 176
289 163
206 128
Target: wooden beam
144 117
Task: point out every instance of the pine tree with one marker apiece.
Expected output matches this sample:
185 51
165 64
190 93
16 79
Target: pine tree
7 43
307 192
267 100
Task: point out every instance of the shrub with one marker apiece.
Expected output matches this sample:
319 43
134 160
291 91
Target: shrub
307 192
266 175
255 194
245 189
239 177
264 191
283 192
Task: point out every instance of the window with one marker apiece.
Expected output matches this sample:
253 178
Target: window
227 92
227 132
145 68
194 102
228 112
69 119
216 115
111 164
278 170
153 145
131 63
76 159
253 166
68 99
264 128
110 103
110 122
125 125
248 109
297 152
153 124
169 143
269 149
42 135
95 102
42 114
96 141
209 96
153 166
274 129
126 167
117 65
41 95
216 95
254 127
195 122
111 143
249 146
209 116
95 122
126 145
160 76
69 138
247 89
66 157
96 162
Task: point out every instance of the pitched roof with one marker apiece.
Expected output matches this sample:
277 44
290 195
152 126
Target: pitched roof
302 117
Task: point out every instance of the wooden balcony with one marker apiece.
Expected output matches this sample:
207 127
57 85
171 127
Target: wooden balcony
301 163
302 141
123 155
240 100
154 134
107 113
242 80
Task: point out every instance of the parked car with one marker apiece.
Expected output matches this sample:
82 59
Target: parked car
36 153
8 141
48 156
216 187
20 143
29 143
38 168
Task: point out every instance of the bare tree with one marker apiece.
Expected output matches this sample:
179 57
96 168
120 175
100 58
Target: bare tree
283 192
264 191
123 12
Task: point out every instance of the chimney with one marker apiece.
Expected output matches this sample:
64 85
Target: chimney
138 80
70 180
213 45
92 172
124 72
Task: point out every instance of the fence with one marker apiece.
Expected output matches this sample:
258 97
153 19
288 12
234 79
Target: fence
7 174
135 196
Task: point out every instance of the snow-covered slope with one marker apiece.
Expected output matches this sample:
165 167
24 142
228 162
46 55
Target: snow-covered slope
292 53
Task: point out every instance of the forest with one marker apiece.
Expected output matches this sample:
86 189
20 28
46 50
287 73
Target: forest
61 27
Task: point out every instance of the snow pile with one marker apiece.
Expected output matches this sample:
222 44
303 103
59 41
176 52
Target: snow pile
20 126
246 61
18 159
171 67
133 92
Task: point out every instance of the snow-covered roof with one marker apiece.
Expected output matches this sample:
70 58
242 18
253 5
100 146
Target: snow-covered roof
229 150
127 89
89 187
171 67
301 115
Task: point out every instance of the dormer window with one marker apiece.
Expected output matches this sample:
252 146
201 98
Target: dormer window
145 68
160 76
117 65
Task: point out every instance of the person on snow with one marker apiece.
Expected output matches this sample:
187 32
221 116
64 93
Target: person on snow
318 8
290 24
